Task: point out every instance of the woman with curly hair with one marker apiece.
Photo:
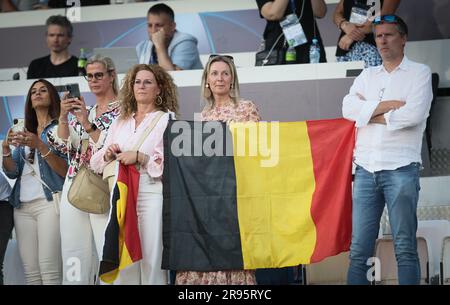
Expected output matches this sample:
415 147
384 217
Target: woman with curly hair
148 95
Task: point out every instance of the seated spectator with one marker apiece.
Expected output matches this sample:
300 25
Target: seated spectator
275 11
166 46
356 41
59 63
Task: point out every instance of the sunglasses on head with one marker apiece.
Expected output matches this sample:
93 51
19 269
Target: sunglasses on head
385 18
212 56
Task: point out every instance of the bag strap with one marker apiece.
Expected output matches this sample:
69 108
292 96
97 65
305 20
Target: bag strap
148 130
34 174
84 146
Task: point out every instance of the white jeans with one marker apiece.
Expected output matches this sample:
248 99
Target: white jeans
149 211
39 242
82 238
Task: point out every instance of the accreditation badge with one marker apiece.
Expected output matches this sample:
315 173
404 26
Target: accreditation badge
293 30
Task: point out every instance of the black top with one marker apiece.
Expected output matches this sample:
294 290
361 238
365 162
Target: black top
43 68
348 4
273 30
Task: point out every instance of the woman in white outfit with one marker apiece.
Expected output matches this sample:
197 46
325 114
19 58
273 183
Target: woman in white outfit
81 232
39 171
147 90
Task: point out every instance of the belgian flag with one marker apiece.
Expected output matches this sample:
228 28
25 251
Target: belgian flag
282 197
122 245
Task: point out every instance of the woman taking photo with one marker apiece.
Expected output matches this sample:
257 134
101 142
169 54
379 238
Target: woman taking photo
147 97
79 124
220 90
39 170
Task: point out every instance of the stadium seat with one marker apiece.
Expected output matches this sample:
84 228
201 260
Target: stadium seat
434 232
384 250
330 271
445 261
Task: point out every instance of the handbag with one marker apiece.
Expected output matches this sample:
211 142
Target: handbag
109 172
268 57
89 192
56 195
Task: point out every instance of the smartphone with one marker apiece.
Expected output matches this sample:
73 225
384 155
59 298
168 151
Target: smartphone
19 125
74 90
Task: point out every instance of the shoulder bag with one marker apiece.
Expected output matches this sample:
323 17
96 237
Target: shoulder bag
88 192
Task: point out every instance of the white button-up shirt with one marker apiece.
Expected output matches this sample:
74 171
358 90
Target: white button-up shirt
399 142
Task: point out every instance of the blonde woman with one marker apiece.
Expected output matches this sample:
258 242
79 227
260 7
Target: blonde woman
78 123
220 90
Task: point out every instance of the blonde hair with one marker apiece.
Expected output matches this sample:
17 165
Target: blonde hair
206 91
169 94
109 67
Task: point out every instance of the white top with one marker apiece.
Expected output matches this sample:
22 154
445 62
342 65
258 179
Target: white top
124 133
30 187
399 142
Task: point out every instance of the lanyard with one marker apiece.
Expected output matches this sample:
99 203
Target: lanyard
292 3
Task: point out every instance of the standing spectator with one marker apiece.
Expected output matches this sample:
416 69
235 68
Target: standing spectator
59 63
356 41
390 104
79 124
147 91
6 219
36 221
167 47
275 11
220 89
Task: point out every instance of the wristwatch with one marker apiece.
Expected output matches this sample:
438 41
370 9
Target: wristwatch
92 128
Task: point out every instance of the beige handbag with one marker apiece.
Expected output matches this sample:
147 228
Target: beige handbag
88 192
109 172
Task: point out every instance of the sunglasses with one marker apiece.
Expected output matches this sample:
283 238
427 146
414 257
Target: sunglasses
385 18
212 56
98 76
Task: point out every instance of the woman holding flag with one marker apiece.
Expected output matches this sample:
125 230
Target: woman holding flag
135 140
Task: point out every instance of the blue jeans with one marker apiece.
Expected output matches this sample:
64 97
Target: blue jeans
399 189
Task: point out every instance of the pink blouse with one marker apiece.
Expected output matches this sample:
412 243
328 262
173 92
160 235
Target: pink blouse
124 133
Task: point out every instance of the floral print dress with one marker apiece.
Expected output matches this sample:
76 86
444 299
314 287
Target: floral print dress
245 111
77 134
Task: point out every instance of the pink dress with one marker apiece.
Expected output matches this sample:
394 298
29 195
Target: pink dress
245 111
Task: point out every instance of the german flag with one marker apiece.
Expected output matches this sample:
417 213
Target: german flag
122 243
281 198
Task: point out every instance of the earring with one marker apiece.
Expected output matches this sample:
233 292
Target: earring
159 100
207 85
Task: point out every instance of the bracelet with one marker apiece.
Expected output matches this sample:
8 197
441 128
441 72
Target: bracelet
137 156
46 155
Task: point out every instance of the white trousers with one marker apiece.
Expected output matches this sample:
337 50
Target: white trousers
149 211
82 238
39 242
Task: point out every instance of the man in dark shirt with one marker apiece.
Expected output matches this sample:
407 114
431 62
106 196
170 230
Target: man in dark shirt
59 63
